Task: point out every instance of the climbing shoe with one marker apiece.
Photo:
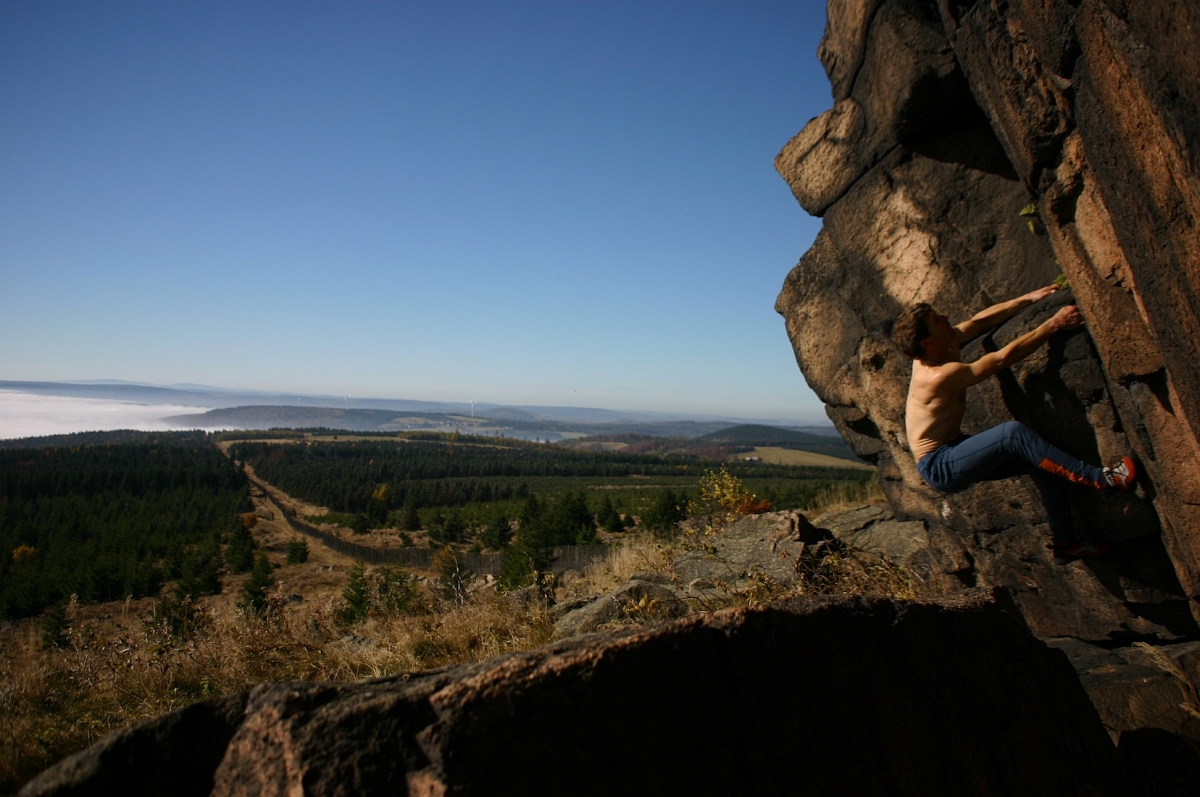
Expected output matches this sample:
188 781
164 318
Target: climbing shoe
1121 475
1078 550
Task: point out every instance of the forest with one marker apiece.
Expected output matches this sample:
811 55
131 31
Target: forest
486 476
108 520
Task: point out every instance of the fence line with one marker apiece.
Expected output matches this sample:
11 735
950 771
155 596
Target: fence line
566 557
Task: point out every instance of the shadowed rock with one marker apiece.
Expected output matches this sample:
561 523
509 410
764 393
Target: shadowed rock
863 697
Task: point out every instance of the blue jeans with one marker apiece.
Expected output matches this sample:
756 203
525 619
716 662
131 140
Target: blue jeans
1008 450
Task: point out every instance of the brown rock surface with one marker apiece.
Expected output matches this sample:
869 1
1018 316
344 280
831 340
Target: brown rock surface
863 697
950 116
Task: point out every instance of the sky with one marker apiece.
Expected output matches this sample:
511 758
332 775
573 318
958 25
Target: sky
549 203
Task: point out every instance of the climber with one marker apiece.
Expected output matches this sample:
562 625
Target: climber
950 461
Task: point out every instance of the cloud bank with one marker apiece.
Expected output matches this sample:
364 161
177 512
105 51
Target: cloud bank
28 415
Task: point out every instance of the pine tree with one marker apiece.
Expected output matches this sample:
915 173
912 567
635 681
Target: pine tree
297 551
239 553
497 534
665 513
254 593
357 597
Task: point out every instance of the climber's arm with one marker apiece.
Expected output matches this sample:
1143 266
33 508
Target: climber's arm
997 314
973 373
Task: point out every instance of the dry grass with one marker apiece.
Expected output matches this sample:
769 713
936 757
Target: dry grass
55 701
843 495
1191 695
110 674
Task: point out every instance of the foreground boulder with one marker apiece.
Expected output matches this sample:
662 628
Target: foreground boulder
949 118
862 697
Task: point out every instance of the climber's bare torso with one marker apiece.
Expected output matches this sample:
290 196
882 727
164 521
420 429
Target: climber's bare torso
937 393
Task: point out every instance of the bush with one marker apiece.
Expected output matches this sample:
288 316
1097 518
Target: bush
384 593
454 577
297 552
665 513
254 593
239 553
497 534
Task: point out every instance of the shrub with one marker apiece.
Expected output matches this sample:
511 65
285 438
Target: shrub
254 593
665 513
384 593
297 552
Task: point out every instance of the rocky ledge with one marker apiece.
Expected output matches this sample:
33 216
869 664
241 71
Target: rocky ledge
809 696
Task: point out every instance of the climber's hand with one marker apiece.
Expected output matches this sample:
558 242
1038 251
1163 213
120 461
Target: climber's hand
1040 293
1066 318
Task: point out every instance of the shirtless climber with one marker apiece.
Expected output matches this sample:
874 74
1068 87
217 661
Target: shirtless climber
951 461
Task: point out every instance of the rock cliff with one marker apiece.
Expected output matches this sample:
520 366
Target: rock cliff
949 117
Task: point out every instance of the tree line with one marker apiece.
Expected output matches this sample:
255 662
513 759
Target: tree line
346 476
108 521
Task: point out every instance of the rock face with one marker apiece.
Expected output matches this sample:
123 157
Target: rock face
809 697
949 117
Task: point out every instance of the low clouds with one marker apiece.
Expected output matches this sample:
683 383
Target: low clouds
28 415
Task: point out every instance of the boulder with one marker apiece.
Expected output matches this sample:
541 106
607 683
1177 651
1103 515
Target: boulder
863 697
949 118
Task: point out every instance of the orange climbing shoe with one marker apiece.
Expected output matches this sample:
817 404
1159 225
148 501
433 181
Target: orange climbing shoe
1121 475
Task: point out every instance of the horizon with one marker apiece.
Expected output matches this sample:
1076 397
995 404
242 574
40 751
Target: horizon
40 414
527 205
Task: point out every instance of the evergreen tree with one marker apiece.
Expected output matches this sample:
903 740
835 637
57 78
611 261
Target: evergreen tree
357 596
453 530
665 513
297 551
573 523
396 592
497 534
54 624
523 564
608 517
239 552
254 593
412 518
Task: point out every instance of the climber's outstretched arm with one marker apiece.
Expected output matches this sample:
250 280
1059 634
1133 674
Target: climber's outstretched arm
967 374
997 314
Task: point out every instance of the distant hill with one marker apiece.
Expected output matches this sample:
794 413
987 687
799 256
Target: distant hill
508 414
512 423
751 434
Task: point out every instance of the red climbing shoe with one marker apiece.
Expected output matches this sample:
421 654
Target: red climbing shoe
1121 475
1078 550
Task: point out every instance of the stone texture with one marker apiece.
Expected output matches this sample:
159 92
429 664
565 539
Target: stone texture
863 697
1131 690
964 111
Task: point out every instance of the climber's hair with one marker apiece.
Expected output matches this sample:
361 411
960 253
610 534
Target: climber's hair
913 326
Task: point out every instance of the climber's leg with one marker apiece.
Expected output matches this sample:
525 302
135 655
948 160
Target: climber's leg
957 465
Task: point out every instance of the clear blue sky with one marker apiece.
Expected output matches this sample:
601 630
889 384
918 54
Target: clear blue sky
559 203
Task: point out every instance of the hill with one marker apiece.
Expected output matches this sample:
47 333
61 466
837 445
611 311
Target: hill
755 435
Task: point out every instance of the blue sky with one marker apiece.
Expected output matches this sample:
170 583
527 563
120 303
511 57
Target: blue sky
560 203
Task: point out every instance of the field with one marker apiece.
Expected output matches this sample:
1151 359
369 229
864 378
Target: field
416 482
789 456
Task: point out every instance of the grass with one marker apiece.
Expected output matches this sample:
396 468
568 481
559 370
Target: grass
58 700
773 455
108 674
